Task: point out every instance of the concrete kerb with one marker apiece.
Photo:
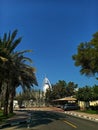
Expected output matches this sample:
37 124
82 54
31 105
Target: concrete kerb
82 116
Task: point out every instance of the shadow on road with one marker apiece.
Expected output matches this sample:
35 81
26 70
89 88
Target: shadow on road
38 118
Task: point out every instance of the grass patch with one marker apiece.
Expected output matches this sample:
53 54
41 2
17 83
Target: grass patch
3 118
90 111
1 113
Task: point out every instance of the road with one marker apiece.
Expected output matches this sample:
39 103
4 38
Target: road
48 120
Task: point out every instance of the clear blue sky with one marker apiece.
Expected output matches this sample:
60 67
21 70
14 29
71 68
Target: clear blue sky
52 29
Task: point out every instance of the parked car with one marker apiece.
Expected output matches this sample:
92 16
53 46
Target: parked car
22 106
71 106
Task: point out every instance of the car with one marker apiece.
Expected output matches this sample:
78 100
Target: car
70 106
22 106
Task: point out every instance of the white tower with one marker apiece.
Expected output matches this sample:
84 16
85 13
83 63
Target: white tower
46 84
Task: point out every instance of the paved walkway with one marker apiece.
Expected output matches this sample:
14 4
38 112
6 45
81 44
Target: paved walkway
92 117
22 115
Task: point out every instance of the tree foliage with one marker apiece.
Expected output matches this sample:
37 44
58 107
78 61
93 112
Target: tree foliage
84 94
87 93
87 57
95 91
25 96
13 69
71 89
60 90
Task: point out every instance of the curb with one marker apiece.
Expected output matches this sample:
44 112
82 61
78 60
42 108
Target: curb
82 116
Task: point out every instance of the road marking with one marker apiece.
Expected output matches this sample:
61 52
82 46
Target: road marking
71 124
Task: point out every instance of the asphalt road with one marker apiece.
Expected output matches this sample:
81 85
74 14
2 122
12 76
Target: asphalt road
48 120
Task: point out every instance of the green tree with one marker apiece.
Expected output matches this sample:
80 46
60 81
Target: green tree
7 46
23 75
85 94
59 89
25 96
71 89
87 57
95 92
13 70
48 96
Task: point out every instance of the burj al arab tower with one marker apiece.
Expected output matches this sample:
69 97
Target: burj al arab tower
46 84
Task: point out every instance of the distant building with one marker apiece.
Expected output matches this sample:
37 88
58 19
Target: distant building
15 104
46 84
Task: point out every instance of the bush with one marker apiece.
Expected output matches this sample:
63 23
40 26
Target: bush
94 107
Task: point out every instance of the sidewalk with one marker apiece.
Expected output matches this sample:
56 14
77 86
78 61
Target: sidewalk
19 118
92 117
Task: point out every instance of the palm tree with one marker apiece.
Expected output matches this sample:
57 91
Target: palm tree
13 71
7 46
23 75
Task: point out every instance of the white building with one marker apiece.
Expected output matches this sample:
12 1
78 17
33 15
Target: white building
46 84
15 104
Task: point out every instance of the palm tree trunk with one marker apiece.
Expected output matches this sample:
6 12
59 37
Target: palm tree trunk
5 112
11 105
0 87
11 101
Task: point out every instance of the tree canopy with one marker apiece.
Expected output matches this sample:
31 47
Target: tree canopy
14 70
61 89
87 93
87 57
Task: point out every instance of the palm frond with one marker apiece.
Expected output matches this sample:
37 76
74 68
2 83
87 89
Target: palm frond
5 37
25 59
14 35
3 59
22 52
14 44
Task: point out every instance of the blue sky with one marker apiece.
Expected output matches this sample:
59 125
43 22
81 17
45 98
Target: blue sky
52 29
